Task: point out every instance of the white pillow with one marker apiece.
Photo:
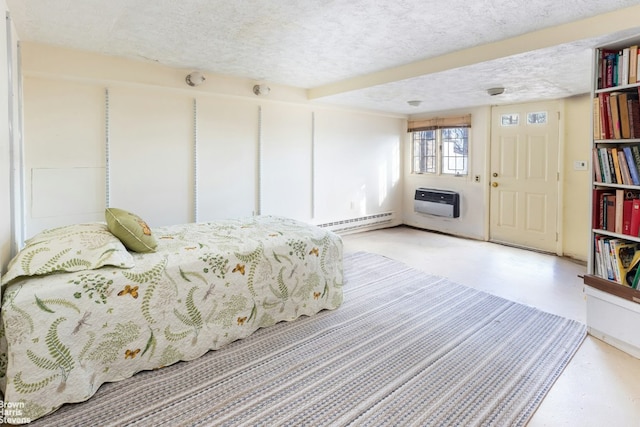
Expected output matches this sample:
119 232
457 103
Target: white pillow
70 248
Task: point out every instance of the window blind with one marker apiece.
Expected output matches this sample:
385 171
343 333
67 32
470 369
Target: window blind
439 123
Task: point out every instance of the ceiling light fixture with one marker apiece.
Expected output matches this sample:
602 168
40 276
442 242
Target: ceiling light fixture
495 91
414 103
195 78
261 89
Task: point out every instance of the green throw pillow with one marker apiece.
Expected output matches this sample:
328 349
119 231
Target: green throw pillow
132 231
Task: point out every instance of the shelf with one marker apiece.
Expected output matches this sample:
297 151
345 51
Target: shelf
613 288
617 141
616 235
609 185
618 88
613 309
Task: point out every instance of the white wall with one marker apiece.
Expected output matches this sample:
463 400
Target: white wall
9 121
275 155
66 171
5 144
228 155
360 165
286 168
151 148
576 183
474 196
279 155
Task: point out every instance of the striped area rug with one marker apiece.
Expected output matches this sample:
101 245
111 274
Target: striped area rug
405 348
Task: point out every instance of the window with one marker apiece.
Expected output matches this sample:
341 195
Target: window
441 146
539 118
424 151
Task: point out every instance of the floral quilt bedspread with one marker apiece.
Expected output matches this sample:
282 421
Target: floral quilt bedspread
63 335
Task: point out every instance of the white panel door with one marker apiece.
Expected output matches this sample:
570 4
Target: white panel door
151 155
524 175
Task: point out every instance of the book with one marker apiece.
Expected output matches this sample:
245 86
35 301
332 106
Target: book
597 125
607 56
610 212
613 259
606 255
600 269
624 168
623 110
623 253
605 116
619 211
610 75
614 165
633 106
634 228
604 164
612 168
638 69
633 64
597 199
633 273
631 164
615 114
597 172
627 210
636 155
618 70
624 67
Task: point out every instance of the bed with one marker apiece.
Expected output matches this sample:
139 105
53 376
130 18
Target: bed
79 308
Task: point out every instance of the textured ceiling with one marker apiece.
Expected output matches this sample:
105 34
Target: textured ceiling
317 45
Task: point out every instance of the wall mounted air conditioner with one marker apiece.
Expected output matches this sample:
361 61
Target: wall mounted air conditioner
437 202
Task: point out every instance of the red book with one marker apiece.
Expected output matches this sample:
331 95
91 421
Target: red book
634 228
605 116
626 216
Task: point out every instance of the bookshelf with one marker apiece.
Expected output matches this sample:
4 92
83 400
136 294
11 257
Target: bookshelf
612 283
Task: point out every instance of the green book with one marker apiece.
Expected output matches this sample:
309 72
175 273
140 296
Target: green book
635 271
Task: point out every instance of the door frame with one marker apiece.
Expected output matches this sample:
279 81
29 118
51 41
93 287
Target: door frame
560 104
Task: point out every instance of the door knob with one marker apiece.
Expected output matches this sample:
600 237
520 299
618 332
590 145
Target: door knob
494 184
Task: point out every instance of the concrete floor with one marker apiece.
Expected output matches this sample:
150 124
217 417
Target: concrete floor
600 386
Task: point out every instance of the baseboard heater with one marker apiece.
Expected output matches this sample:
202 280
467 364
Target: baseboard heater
437 202
362 222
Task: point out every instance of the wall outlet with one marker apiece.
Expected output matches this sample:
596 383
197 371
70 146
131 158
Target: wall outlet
579 165
477 178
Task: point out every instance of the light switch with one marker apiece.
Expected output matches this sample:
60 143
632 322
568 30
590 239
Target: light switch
579 165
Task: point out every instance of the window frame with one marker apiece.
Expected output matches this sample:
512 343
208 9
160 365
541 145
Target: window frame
438 152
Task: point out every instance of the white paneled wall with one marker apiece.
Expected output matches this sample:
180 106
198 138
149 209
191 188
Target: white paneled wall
286 161
227 158
10 180
174 154
64 152
358 164
151 146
